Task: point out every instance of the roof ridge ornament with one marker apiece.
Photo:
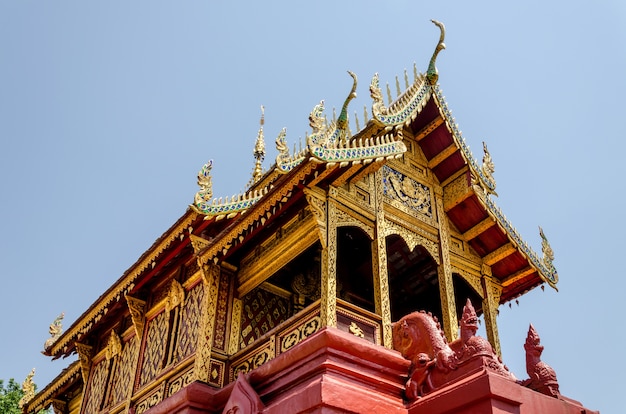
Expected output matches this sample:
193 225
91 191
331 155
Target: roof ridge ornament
28 389
259 151
342 121
55 330
206 186
432 74
546 249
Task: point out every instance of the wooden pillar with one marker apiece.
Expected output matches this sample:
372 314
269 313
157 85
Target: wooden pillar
444 270
492 291
210 282
328 302
379 264
235 327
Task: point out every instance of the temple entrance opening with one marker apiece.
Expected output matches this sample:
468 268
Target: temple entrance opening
413 279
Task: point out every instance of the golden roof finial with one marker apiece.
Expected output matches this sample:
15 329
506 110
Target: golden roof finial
259 150
432 73
546 249
28 389
55 330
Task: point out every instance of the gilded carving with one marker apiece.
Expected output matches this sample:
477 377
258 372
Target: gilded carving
180 382
254 360
150 401
187 337
299 333
211 280
175 296
345 219
97 386
328 302
198 243
219 338
85 352
379 259
317 202
124 372
406 191
55 330
446 287
262 311
137 309
235 327
155 348
356 330
492 291
28 389
412 239
114 346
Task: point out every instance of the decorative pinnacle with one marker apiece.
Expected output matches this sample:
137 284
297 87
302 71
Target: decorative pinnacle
432 75
342 121
259 149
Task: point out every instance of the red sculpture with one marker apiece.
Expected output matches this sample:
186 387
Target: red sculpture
434 362
542 376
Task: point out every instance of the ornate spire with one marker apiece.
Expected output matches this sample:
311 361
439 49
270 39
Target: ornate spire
259 150
55 330
432 73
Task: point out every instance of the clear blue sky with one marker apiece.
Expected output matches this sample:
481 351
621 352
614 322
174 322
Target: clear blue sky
108 110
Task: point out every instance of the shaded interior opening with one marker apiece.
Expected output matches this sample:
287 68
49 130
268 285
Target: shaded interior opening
464 291
413 279
355 279
301 277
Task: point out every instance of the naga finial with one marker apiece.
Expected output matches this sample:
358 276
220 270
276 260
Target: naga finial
55 330
432 75
28 389
316 117
488 168
342 121
206 186
548 253
259 150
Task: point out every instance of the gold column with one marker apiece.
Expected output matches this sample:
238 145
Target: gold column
492 291
379 264
210 282
328 302
444 270
235 327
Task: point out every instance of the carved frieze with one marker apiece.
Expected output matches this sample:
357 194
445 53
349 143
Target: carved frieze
406 193
299 333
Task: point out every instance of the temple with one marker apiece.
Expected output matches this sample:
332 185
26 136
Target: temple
348 278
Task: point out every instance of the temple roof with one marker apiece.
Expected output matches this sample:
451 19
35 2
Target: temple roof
332 155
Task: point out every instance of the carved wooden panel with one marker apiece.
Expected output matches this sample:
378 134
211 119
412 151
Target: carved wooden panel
190 321
155 348
124 372
262 311
406 193
219 337
97 387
